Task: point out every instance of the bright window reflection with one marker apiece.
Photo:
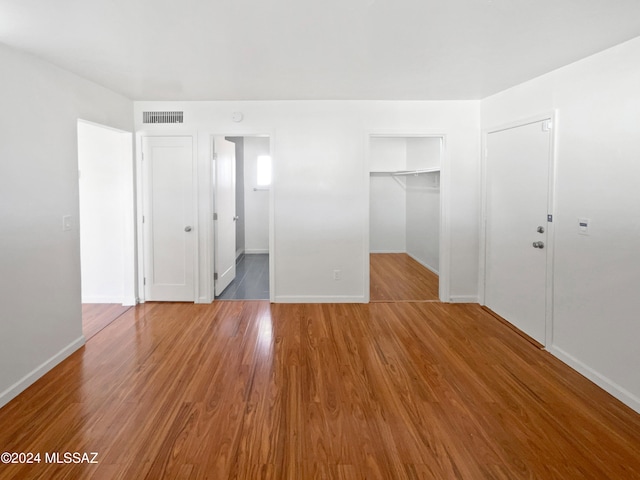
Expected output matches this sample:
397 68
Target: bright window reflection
264 170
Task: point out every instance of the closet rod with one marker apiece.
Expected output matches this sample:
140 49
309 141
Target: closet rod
415 172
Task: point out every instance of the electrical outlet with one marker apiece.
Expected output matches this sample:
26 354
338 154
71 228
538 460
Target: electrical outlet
337 274
66 223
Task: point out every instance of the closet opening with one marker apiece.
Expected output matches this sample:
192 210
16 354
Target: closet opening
404 217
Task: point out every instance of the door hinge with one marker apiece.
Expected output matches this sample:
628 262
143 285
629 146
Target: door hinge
215 216
142 218
547 126
215 276
142 153
144 281
214 156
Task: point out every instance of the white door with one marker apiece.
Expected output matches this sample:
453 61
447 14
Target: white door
517 194
169 206
225 213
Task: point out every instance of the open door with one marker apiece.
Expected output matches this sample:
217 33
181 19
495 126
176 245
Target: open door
225 213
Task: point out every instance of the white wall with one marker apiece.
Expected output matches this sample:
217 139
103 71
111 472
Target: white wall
39 262
388 206
256 203
106 214
596 277
320 193
423 202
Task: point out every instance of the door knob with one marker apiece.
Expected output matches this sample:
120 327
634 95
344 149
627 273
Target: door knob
538 244
187 228
236 218
540 229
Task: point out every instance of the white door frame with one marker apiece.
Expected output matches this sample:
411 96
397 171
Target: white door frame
444 267
553 118
140 191
206 194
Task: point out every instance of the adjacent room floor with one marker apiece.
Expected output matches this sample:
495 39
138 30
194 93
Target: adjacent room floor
252 279
396 277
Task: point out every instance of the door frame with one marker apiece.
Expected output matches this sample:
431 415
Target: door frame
551 116
444 266
140 194
206 195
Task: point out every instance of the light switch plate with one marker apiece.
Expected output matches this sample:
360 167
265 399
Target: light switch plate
583 226
66 223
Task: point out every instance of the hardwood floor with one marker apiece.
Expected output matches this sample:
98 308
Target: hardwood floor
249 390
96 316
397 277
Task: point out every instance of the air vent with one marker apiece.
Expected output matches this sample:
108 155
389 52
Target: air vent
162 117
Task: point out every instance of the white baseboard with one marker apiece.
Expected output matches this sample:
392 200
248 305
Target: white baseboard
388 251
463 299
424 264
239 252
256 251
129 301
319 299
603 382
21 385
103 299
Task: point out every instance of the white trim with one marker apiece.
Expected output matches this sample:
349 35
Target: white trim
463 299
552 116
256 251
625 396
103 299
424 264
444 286
321 299
30 378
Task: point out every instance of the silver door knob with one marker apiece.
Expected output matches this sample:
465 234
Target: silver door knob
540 229
538 244
236 218
187 228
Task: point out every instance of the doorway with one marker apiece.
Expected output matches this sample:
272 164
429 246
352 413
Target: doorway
404 212
106 219
251 200
518 220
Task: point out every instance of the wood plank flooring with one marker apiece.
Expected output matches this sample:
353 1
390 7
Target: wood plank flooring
249 390
96 316
396 277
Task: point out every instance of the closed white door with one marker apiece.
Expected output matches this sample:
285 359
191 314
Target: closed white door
225 213
517 195
169 215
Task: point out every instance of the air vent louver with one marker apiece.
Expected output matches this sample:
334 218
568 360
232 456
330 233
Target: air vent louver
162 117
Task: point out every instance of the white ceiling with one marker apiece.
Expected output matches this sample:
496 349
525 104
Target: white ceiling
310 49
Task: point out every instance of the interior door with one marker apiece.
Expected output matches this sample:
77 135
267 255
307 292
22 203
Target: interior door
225 213
168 207
517 194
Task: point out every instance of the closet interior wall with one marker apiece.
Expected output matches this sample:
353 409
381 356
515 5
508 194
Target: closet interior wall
405 207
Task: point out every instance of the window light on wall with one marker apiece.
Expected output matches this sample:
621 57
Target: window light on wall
264 170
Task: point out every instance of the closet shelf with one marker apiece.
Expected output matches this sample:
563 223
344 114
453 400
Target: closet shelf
408 172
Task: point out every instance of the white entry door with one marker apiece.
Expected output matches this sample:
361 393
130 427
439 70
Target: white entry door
169 206
517 204
225 213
